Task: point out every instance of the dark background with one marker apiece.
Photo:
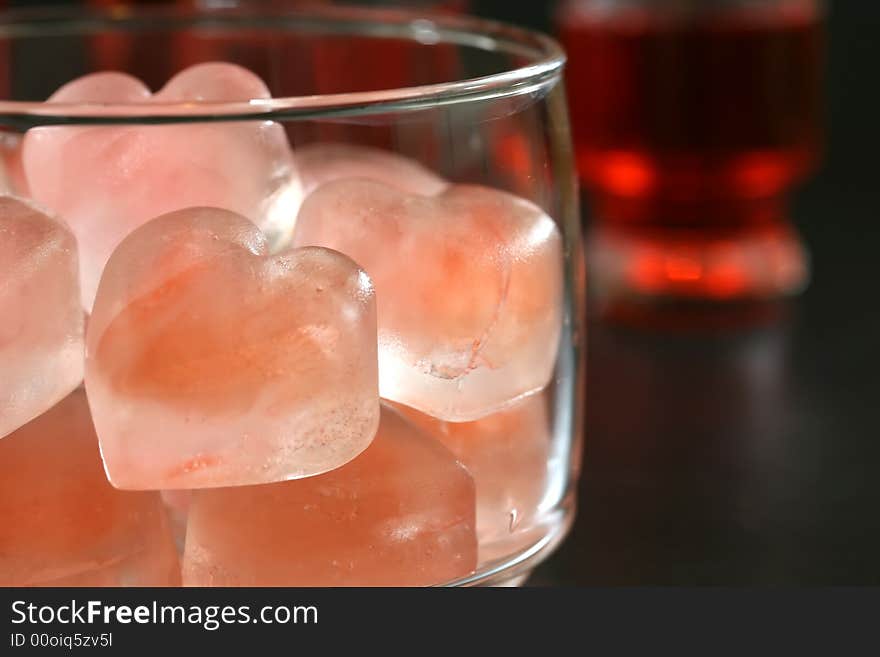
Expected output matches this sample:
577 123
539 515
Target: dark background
748 456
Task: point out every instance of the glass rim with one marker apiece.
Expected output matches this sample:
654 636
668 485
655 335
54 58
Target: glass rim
546 61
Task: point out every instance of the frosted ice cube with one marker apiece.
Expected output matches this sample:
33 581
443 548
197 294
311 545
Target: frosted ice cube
400 514
469 287
211 363
105 181
63 524
507 454
41 319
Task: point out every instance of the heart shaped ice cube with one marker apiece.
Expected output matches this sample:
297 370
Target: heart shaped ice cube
105 181
210 363
469 287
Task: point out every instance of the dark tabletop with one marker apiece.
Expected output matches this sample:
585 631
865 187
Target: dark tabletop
752 456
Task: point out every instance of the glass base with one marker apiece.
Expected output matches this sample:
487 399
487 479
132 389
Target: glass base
634 270
514 582
535 546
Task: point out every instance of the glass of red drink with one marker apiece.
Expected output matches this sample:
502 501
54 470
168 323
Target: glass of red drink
692 121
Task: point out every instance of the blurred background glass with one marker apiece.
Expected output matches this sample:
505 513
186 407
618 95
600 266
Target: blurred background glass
693 120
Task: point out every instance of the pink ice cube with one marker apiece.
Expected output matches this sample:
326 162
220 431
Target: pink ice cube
321 163
63 523
41 330
105 181
507 454
469 287
210 363
400 514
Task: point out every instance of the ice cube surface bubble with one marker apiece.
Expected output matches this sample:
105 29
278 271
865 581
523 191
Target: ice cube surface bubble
41 334
469 287
105 181
63 523
400 514
210 363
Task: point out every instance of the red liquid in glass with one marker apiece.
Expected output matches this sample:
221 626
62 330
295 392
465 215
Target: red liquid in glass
693 118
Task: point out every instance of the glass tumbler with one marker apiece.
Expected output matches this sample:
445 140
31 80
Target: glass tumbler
693 121
434 154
